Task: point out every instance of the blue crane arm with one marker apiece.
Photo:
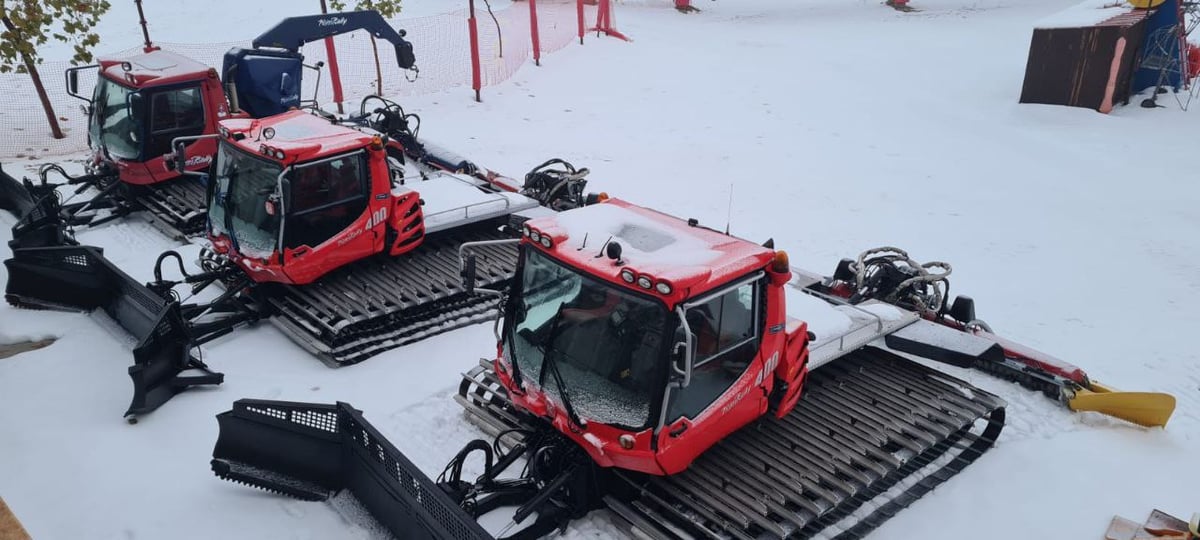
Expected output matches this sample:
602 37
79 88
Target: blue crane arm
293 32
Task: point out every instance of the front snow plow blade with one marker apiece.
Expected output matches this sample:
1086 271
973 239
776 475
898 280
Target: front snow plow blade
1149 409
37 209
311 451
79 278
14 196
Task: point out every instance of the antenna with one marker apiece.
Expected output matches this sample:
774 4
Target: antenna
601 254
584 244
729 211
145 33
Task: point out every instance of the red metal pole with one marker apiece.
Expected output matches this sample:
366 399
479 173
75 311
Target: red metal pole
579 11
334 74
533 33
601 17
475 78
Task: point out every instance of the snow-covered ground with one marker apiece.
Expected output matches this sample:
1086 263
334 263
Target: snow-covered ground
838 126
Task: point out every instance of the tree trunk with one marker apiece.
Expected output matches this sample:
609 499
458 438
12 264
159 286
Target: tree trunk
378 71
31 67
55 130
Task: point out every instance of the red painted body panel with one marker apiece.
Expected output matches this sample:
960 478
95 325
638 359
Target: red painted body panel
406 221
158 69
301 136
200 155
154 68
364 237
732 257
781 358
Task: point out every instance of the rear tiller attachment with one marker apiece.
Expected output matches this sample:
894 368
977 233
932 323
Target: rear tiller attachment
888 274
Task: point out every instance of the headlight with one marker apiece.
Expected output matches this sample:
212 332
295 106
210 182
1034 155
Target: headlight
663 287
644 282
627 276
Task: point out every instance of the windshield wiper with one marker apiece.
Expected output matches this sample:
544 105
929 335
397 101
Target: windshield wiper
549 360
229 205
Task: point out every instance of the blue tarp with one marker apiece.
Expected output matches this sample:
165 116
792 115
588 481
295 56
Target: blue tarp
1164 18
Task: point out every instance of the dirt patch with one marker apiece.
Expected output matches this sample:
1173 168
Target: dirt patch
13 349
10 528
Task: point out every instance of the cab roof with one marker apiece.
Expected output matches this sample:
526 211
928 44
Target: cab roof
299 135
154 68
692 258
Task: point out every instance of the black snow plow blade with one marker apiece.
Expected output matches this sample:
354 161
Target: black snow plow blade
874 433
37 210
14 196
79 278
311 451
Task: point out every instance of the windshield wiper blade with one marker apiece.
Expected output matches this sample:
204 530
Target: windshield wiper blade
549 360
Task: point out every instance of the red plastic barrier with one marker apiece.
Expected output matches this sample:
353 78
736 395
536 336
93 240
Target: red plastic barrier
1193 60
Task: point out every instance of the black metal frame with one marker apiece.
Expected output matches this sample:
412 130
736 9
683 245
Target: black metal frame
80 278
311 451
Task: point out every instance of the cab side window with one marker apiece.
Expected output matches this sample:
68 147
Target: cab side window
174 113
325 198
725 334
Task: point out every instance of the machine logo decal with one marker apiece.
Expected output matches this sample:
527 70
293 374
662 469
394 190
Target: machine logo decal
772 362
377 217
332 21
198 160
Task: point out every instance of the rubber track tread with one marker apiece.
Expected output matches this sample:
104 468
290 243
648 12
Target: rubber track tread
384 302
866 422
179 205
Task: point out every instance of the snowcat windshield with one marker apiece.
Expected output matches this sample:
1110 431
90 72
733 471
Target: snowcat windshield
116 120
607 343
244 204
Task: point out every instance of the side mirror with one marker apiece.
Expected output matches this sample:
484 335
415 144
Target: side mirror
468 274
72 81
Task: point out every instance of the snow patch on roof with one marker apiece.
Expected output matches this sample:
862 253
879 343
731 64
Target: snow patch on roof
1086 13
824 320
642 239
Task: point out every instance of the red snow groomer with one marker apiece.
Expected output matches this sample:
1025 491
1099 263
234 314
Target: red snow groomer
141 103
344 232
691 382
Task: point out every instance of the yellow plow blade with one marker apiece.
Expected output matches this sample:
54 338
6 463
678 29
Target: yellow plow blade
1150 409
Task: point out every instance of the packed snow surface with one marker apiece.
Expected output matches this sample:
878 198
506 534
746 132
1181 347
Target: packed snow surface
844 125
